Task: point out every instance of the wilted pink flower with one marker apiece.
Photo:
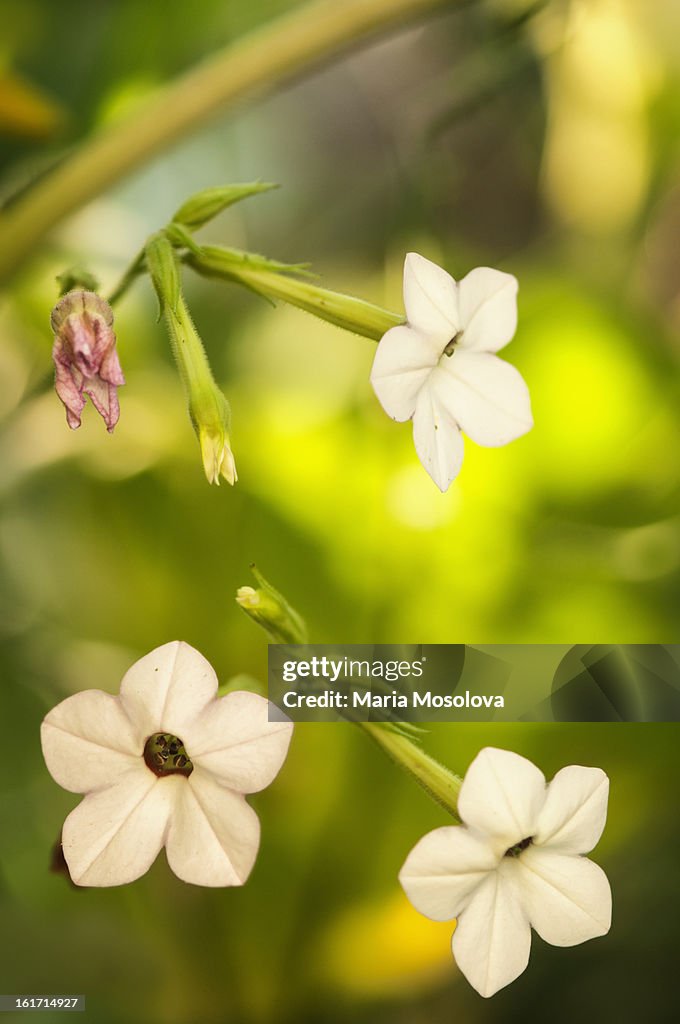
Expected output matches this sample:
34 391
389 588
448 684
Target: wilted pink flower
85 357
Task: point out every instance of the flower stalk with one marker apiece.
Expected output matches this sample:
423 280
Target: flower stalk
275 281
440 783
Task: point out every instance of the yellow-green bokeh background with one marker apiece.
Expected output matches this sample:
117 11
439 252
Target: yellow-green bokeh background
548 148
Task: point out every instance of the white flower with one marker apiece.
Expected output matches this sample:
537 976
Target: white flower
515 864
439 369
164 764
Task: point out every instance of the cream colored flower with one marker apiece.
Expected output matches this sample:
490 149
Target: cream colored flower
165 764
516 863
439 368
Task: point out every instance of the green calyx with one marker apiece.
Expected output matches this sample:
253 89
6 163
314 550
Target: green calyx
76 279
209 202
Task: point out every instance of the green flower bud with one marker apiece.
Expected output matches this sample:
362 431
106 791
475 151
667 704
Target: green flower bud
269 609
208 408
218 459
204 205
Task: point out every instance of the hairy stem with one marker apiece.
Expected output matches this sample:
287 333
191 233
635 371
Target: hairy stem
344 311
253 65
441 784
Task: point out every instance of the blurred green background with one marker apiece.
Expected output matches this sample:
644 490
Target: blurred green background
543 139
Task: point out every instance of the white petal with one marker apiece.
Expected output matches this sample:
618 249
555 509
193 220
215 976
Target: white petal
114 835
487 300
214 834
492 939
88 741
437 438
501 796
443 869
568 899
403 362
575 810
234 740
487 396
430 299
164 690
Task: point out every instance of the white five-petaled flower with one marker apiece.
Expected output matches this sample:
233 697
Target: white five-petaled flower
516 863
439 368
166 763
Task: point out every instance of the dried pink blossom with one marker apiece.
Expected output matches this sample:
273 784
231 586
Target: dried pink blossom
85 357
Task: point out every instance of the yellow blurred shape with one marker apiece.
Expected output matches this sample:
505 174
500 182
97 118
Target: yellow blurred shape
126 96
597 154
592 398
25 110
311 369
597 169
604 59
413 501
386 949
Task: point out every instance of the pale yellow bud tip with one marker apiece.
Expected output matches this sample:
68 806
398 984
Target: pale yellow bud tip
247 597
218 459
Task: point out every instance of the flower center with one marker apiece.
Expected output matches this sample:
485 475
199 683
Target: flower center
165 754
448 351
515 850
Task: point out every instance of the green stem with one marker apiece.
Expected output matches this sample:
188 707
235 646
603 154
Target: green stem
255 64
441 784
135 269
192 361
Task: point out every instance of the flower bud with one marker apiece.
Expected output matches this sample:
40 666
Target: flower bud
85 357
218 459
269 609
204 205
208 408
